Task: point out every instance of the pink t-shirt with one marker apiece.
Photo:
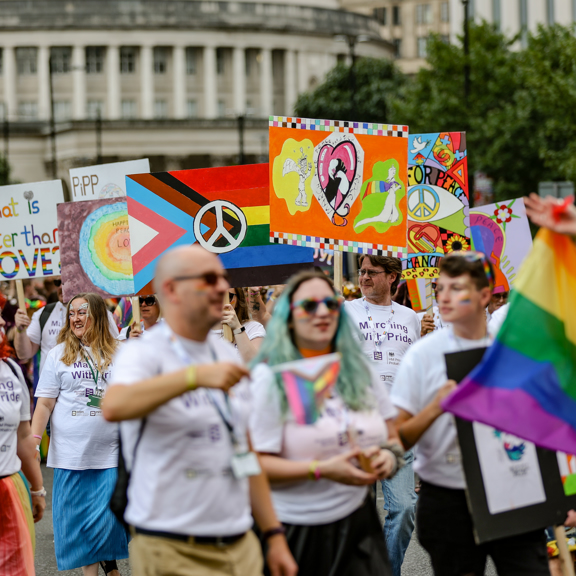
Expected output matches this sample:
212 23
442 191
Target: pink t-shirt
307 502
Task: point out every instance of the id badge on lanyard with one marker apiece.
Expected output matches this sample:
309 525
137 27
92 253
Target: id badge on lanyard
243 464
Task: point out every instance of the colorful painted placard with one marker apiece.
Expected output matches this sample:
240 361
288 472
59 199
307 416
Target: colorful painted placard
29 240
502 232
95 247
105 180
338 185
438 201
226 210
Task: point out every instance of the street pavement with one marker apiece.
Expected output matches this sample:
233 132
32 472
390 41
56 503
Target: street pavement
415 564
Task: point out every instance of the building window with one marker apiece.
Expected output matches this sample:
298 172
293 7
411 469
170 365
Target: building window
192 109
27 60
191 61
445 12
160 60
61 57
128 109
445 38
523 7
396 15
471 9
422 47
127 60
496 13
160 108
27 110
221 108
423 14
93 108
94 59
220 61
574 10
62 110
397 47
2 111
551 17
380 15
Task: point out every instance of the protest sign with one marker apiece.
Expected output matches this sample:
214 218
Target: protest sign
29 240
225 210
502 232
105 180
95 246
338 185
513 487
438 201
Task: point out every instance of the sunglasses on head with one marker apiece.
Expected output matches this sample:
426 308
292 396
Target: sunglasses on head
480 257
310 305
210 278
57 282
148 300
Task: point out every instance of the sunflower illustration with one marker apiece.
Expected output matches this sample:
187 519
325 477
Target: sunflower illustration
456 243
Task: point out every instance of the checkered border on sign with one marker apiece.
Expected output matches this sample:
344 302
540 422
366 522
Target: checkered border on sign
342 245
340 126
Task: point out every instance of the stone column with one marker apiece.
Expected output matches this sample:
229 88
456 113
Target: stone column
302 73
266 83
179 81
79 76
210 87
10 103
113 82
43 82
239 80
290 87
146 83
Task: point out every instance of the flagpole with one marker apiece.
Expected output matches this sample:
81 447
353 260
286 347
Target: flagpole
136 310
338 270
20 293
429 300
566 561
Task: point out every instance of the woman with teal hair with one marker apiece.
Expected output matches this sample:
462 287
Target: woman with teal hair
320 472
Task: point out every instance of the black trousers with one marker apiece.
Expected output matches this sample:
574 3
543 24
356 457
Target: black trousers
444 528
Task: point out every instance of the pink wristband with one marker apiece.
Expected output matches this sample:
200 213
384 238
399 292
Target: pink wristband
39 437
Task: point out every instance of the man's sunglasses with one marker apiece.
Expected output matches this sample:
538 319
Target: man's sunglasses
148 300
210 278
310 305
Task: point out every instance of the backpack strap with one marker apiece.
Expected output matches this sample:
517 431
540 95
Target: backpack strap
46 311
12 366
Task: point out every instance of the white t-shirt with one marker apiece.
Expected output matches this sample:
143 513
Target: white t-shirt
181 481
421 374
402 330
80 437
497 319
438 322
305 502
48 337
253 330
14 408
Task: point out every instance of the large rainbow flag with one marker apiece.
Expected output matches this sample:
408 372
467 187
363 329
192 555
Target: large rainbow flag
526 382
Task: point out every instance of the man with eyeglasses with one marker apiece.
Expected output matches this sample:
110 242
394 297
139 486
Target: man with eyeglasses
388 329
41 331
184 401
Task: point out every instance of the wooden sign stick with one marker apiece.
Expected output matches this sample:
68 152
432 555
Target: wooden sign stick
20 292
226 330
136 310
566 561
338 270
429 300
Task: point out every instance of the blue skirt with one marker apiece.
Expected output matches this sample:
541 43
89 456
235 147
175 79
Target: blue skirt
85 530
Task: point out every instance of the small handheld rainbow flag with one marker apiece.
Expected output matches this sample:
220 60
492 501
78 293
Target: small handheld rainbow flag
526 382
308 383
123 313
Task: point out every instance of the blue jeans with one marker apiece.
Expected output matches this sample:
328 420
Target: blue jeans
400 503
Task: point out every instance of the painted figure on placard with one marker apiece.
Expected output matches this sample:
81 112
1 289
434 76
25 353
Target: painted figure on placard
303 168
338 160
380 198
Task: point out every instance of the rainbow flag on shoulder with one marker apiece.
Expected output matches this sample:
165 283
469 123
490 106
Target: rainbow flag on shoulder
526 382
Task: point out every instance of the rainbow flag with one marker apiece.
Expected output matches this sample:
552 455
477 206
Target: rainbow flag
307 383
123 313
526 382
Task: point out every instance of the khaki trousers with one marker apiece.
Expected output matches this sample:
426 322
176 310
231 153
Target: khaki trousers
152 556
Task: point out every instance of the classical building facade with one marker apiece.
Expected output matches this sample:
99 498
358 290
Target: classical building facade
408 23
161 79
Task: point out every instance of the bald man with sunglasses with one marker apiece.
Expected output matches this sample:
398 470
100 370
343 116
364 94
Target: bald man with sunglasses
184 401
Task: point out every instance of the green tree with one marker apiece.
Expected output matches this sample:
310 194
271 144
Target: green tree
4 171
376 82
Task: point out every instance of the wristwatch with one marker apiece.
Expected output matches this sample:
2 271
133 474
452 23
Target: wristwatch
240 330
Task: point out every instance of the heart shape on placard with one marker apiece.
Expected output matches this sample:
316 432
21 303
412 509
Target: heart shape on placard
337 167
424 238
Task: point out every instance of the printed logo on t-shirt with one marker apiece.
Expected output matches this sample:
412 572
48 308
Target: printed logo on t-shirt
392 358
214 432
396 332
377 355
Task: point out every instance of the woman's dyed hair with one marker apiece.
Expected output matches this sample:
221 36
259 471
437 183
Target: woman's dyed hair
279 346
